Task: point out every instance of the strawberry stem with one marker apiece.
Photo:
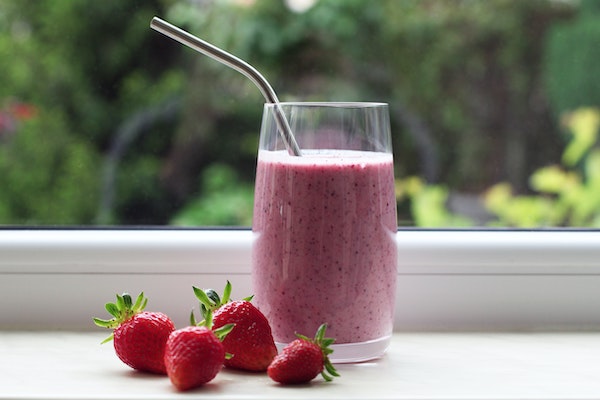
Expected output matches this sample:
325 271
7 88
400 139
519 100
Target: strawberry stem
323 342
203 297
122 310
210 299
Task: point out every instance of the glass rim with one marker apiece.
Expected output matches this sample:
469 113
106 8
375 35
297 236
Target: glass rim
333 104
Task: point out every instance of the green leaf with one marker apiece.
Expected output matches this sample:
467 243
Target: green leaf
226 293
127 301
112 309
326 377
549 179
204 311
140 302
120 302
104 323
121 311
208 319
223 331
300 336
592 169
108 339
583 124
320 333
214 296
202 297
193 321
331 369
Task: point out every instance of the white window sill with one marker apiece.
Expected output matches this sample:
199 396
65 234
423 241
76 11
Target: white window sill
447 280
52 365
540 284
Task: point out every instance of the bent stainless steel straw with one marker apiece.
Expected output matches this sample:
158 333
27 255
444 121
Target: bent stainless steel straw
239 65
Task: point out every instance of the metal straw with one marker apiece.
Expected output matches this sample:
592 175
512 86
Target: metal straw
239 65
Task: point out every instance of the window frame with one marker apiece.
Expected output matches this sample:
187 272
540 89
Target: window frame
459 280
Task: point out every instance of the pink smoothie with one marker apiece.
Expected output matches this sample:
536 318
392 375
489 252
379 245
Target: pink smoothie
324 248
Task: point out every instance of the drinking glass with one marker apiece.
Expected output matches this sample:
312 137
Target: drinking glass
324 224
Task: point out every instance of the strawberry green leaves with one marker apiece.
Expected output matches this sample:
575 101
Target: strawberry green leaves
237 327
303 359
323 342
122 310
138 336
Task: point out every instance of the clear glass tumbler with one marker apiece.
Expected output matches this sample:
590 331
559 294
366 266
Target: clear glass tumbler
324 226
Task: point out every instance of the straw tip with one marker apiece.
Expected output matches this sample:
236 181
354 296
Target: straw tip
153 21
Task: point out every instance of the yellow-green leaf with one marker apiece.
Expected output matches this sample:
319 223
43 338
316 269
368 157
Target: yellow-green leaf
583 125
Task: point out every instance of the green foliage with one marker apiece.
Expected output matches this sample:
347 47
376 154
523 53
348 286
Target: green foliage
47 177
79 53
428 204
567 195
139 196
564 195
86 66
225 200
572 57
467 71
519 211
470 70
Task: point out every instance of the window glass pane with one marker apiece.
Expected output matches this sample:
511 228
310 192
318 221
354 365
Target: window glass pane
494 106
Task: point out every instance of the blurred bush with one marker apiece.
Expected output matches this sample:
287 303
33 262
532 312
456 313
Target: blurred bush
227 202
474 90
46 175
571 59
566 194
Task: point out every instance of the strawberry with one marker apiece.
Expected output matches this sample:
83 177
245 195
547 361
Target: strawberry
251 342
303 359
139 336
194 355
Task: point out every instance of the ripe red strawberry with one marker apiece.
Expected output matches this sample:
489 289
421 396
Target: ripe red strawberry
251 342
139 336
303 359
194 356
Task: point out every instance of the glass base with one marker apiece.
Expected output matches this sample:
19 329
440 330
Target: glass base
355 352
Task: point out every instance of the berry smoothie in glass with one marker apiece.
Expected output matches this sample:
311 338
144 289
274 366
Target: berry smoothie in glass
324 226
